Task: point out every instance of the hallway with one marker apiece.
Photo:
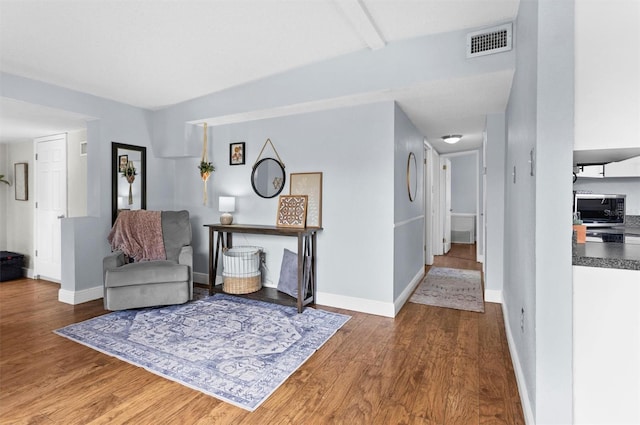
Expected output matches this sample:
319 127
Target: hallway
461 256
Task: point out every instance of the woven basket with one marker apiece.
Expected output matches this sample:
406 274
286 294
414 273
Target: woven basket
241 260
241 284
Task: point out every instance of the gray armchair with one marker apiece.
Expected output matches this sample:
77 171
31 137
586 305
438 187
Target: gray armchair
156 282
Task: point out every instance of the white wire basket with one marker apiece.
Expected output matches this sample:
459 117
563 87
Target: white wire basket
241 269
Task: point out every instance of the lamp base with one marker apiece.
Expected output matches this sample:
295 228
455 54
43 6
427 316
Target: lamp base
226 219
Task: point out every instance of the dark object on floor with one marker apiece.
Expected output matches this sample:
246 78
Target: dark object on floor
10 265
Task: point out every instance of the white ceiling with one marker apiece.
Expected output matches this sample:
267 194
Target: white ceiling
153 54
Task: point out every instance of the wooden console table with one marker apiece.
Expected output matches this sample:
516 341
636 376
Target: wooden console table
306 249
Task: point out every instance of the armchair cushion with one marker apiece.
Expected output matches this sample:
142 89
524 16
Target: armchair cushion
176 232
158 271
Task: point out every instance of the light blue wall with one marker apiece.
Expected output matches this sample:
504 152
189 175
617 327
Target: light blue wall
113 122
398 66
352 147
464 183
408 241
519 254
495 211
538 276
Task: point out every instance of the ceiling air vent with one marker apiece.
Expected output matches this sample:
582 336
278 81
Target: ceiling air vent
489 41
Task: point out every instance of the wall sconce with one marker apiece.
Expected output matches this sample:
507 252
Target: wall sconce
226 205
452 138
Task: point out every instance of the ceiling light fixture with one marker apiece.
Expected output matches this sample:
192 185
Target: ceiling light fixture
452 138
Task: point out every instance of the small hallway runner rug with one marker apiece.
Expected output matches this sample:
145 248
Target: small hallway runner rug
237 350
451 288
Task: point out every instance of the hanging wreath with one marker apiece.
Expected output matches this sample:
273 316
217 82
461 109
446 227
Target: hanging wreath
205 167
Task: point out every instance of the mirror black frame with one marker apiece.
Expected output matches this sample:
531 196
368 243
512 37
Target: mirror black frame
253 180
115 174
412 180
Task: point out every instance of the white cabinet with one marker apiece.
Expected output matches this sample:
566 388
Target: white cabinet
607 65
606 346
627 168
590 171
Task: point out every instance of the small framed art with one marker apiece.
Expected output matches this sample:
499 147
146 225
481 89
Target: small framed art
292 211
123 160
236 153
21 170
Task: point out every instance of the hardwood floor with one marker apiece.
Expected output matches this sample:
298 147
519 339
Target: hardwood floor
429 365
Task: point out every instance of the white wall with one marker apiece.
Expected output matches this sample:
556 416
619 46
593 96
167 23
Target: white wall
5 191
19 218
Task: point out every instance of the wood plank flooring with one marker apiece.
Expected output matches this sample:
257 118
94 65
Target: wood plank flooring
429 365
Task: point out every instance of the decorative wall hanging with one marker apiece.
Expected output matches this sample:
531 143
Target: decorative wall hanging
236 153
309 184
123 160
412 176
21 170
268 176
292 211
130 174
205 167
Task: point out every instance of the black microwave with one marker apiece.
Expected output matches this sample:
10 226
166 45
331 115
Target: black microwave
600 210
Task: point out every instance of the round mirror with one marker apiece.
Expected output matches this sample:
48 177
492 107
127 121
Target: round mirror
267 178
412 176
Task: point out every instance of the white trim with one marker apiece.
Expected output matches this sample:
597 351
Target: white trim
411 220
362 305
27 272
404 296
201 278
529 418
82 296
493 296
480 259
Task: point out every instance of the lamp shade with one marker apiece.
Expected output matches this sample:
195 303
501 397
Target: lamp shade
227 204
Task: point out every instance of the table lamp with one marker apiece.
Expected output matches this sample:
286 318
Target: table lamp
226 205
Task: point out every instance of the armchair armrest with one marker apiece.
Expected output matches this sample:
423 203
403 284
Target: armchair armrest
186 257
112 261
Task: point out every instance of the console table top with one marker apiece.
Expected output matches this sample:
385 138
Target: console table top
263 229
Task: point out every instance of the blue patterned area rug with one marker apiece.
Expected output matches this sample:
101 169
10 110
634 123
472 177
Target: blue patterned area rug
451 288
234 349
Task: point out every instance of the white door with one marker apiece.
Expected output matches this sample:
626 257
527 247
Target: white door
51 203
428 207
446 178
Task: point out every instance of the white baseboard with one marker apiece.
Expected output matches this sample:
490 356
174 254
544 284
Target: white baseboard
362 305
200 278
529 419
404 297
493 296
27 273
82 296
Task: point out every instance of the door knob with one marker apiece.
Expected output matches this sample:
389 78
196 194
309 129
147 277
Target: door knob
61 216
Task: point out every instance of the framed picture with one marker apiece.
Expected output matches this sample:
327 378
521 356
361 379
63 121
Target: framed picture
21 170
309 184
236 153
292 211
123 160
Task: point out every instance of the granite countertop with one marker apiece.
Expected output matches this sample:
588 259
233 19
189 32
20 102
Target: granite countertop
598 252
